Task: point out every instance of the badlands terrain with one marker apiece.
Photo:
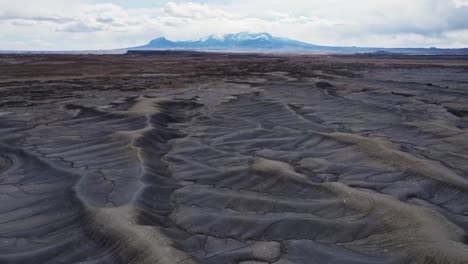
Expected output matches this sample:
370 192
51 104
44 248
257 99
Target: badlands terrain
233 158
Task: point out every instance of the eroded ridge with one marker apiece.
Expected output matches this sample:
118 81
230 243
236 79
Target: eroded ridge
251 180
237 159
264 171
76 191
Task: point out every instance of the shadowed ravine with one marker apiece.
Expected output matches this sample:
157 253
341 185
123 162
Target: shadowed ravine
327 165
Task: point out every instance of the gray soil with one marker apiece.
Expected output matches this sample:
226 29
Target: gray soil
233 158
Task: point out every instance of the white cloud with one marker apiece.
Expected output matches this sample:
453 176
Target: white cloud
194 11
81 27
84 24
460 3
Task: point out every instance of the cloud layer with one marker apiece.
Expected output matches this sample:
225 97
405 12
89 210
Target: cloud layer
87 24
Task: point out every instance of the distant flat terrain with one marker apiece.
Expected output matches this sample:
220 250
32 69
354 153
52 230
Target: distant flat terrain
233 158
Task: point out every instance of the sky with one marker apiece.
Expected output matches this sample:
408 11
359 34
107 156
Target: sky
109 24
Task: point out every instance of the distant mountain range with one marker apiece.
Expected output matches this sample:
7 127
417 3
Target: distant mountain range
239 41
265 42
253 42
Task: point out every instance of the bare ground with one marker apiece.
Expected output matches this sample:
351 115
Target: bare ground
233 158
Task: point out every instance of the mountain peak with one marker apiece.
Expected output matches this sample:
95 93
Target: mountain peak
243 36
263 41
237 41
217 37
159 41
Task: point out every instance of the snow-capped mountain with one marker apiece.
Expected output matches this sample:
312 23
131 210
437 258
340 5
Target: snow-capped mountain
265 42
243 36
239 41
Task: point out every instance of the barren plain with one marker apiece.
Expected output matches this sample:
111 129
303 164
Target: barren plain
233 158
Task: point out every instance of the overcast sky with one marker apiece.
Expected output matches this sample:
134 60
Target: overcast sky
101 24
